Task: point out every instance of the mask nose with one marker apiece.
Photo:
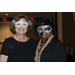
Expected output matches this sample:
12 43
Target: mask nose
21 25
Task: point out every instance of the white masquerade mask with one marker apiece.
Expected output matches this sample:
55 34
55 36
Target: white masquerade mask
44 28
22 23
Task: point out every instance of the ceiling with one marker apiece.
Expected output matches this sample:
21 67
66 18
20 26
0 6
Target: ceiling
12 14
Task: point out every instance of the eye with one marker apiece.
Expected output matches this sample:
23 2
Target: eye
48 28
40 29
18 24
24 24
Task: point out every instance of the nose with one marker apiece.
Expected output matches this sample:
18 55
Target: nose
43 31
21 26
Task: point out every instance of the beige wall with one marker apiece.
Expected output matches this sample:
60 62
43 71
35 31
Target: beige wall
4 33
59 26
0 47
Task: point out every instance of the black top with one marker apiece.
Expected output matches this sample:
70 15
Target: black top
19 51
54 52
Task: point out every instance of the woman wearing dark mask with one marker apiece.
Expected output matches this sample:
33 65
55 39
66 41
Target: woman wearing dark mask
49 48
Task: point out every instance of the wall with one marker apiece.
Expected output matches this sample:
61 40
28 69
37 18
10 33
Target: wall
4 32
59 26
68 29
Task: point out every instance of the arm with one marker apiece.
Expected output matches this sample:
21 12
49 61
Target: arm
4 52
3 58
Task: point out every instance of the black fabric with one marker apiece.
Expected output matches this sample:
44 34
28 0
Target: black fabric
70 58
19 51
54 52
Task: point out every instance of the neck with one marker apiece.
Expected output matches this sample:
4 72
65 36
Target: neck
43 40
21 38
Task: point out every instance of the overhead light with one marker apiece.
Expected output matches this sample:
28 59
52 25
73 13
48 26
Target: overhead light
6 14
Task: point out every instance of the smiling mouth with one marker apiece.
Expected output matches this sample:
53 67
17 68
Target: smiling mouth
21 29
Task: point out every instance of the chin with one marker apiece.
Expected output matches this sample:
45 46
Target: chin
21 33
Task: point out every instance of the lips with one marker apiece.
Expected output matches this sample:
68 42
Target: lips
21 29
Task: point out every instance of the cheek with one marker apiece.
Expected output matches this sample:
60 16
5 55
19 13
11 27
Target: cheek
48 34
17 29
26 29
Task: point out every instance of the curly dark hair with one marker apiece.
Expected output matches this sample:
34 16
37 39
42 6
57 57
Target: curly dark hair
44 22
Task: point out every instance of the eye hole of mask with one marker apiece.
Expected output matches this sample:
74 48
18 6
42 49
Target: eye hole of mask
47 28
41 29
24 24
18 24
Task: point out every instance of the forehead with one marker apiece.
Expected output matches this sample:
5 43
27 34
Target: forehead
22 19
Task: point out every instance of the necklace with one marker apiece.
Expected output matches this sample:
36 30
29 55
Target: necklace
22 39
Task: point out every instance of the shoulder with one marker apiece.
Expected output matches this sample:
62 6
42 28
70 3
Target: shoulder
7 39
57 43
32 40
